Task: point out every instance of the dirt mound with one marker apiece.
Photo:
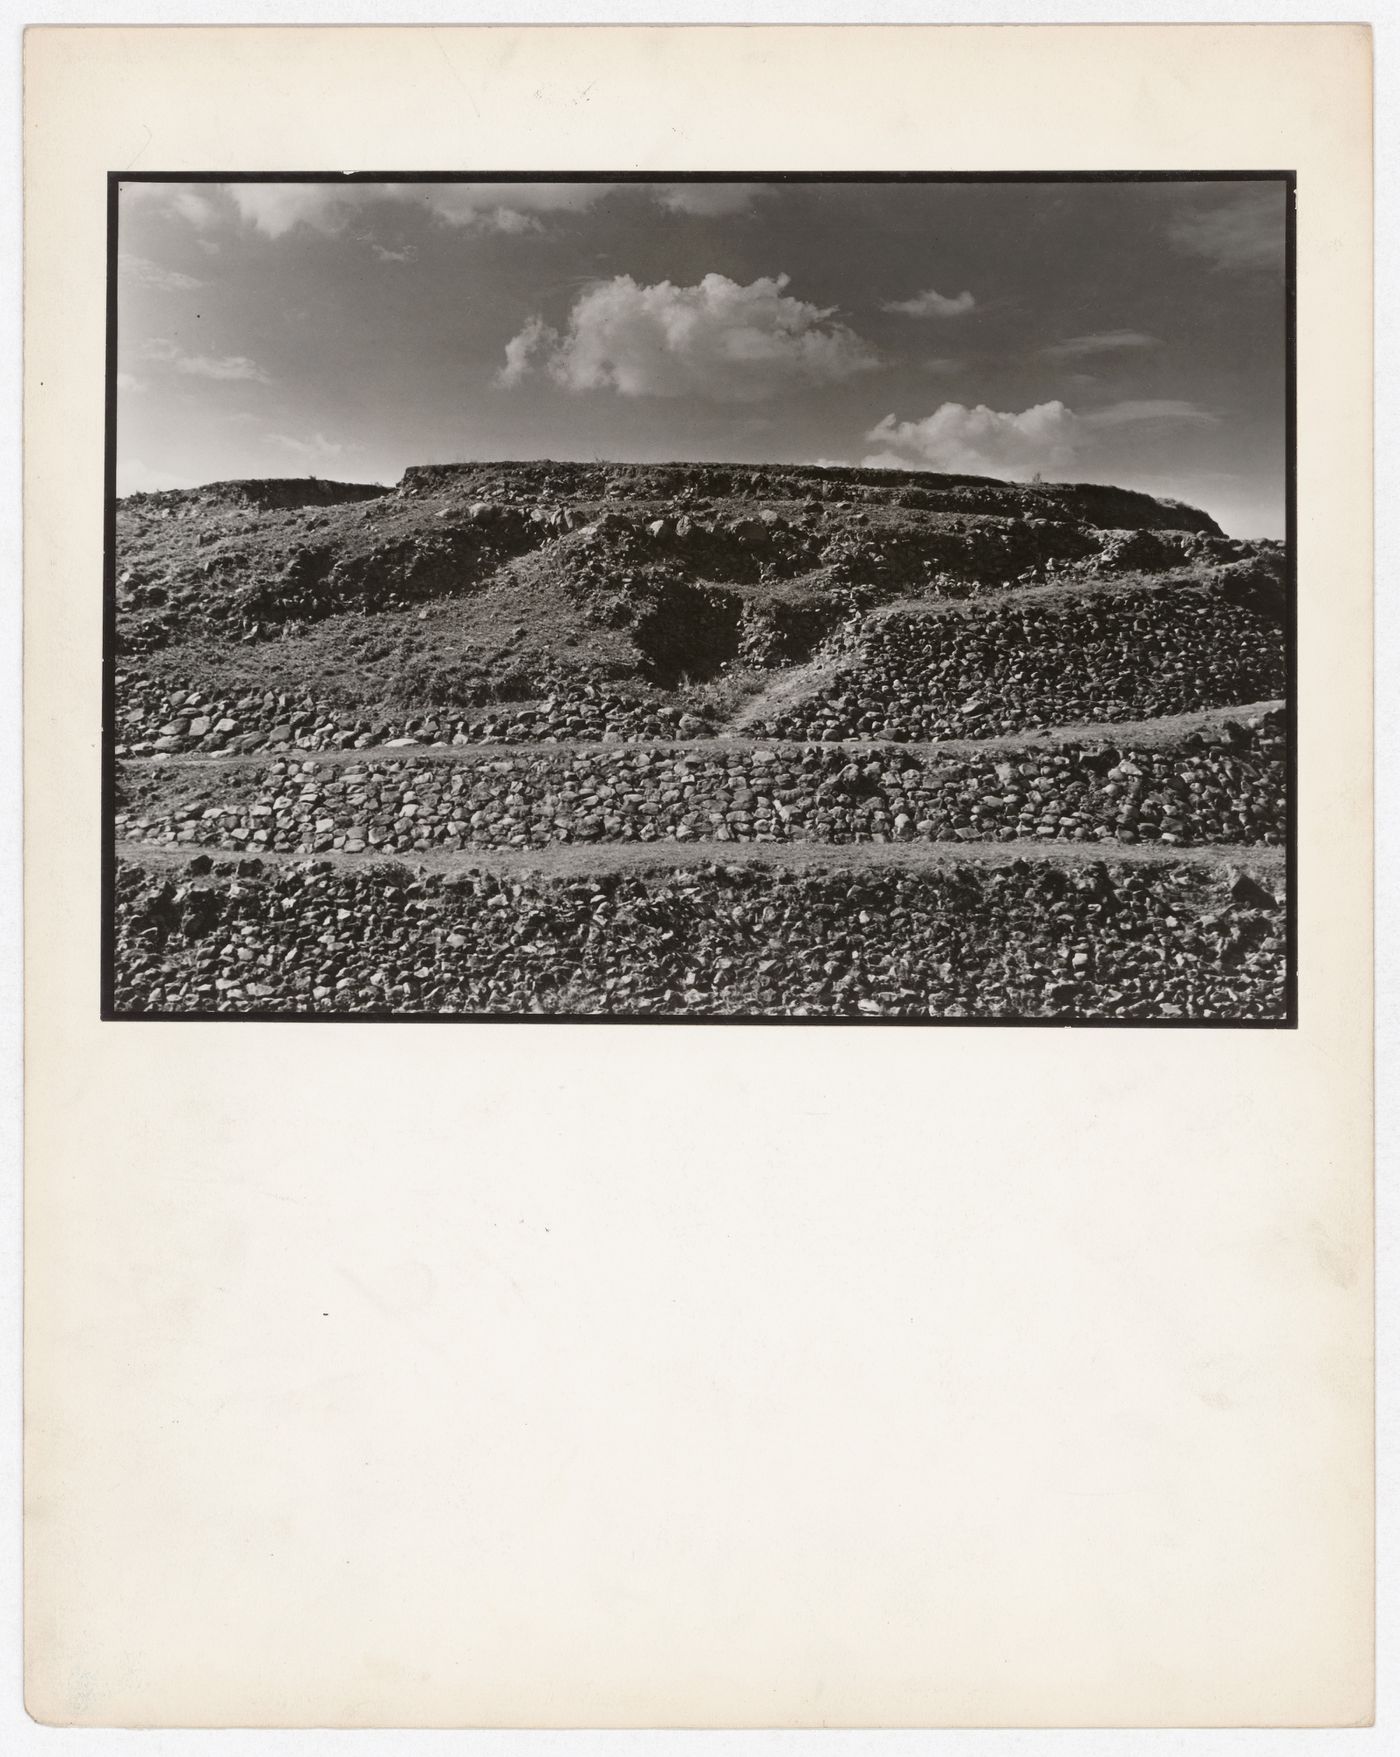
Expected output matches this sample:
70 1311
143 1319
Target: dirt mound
1089 503
264 494
757 565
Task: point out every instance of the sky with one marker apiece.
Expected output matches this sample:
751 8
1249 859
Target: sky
1129 332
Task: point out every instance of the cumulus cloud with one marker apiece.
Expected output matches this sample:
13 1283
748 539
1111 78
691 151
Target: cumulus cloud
932 304
1045 439
1235 229
718 340
979 441
521 350
146 273
1104 341
275 208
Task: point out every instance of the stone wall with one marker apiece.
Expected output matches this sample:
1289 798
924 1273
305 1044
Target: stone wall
1046 659
1231 790
1024 940
155 720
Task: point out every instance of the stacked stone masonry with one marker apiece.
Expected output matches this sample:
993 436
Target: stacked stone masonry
155 721
1046 659
1228 791
1024 940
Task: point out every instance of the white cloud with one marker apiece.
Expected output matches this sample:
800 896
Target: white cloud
979 441
275 208
1237 230
128 381
1047 438
521 350
932 304
1104 341
150 274
382 251
278 208
497 206
716 340
709 198
504 219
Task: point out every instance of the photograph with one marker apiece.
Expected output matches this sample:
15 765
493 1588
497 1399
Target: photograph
699 903
788 599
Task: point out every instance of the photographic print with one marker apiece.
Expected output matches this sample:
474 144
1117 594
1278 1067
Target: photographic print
814 686
796 600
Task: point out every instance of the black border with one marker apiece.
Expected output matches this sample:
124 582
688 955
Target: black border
108 1010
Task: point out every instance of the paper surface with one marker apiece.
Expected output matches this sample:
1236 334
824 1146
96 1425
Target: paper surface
500 1377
